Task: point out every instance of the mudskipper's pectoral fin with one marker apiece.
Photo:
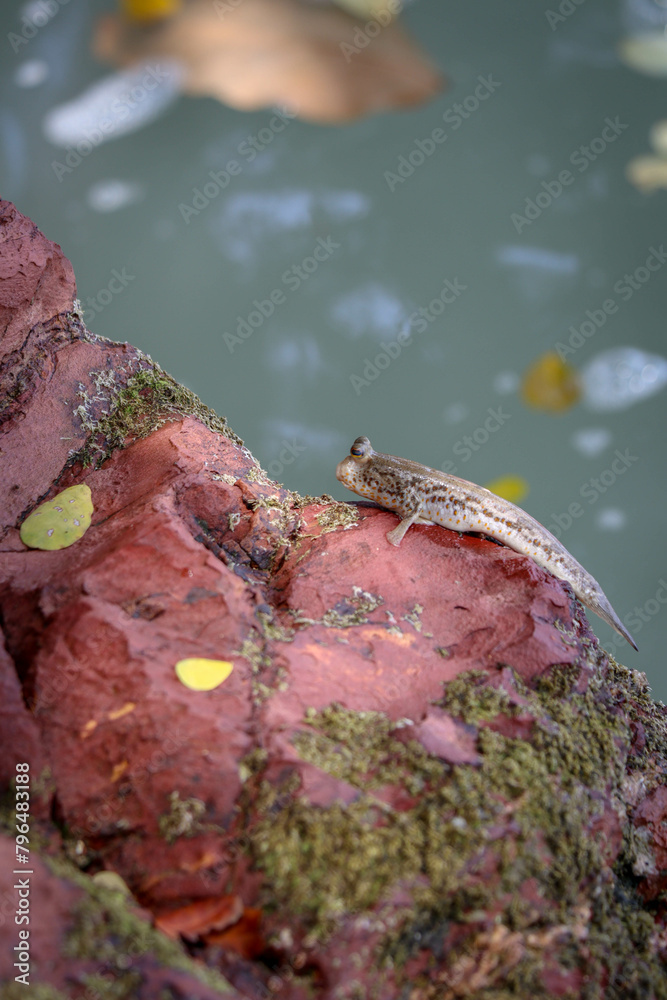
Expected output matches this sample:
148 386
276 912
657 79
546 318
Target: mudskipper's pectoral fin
395 536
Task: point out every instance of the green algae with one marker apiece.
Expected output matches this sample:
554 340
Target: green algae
413 618
272 629
254 649
300 848
469 698
136 404
350 611
183 818
105 930
337 514
629 689
330 863
287 525
34 991
265 503
357 747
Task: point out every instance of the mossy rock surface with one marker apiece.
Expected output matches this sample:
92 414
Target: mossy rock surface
518 847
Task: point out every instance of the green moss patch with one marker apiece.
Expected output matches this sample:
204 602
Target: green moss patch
630 691
35 991
335 515
471 699
135 407
268 675
352 610
543 795
106 931
183 818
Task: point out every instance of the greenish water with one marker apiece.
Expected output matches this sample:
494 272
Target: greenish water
326 253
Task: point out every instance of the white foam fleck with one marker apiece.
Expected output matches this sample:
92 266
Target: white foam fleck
539 258
371 309
505 383
591 441
31 73
110 195
610 519
455 413
300 357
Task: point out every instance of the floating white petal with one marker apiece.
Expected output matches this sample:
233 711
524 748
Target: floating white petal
115 105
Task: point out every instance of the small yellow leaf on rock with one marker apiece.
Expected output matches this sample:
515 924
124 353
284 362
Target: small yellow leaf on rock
118 771
201 674
118 713
59 522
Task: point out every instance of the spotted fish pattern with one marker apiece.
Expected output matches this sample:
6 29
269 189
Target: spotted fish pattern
420 495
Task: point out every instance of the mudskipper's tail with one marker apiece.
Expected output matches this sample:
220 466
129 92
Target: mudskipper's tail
601 606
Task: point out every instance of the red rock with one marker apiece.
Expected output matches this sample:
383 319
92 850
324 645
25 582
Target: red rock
447 739
19 736
36 279
351 785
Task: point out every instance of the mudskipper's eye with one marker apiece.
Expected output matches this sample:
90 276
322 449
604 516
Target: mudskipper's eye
361 447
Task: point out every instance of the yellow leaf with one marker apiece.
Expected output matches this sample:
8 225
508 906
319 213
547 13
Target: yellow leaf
512 488
201 674
118 713
59 522
550 384
150 10
119 770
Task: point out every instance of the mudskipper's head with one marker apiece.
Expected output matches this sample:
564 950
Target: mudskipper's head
351 470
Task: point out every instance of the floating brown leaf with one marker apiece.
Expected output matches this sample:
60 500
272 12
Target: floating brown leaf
315 60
